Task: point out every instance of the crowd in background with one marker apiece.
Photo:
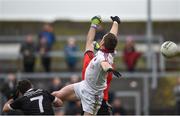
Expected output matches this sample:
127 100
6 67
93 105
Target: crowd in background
43 47
46 39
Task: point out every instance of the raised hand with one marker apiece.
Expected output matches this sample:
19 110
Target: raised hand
116 18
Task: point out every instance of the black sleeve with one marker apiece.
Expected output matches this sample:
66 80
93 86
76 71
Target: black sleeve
16 104
51 97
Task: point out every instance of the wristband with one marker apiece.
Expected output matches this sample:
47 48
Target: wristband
116 22
94 26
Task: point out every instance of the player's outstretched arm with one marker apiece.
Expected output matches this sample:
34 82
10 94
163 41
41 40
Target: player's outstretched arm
108 68
95 21
6 107
116 22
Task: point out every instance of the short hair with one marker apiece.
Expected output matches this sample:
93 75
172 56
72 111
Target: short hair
110 41
24 85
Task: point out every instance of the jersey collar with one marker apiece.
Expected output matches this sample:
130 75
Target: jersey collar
106 50
29 90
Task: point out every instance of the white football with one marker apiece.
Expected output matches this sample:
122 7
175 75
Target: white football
169 49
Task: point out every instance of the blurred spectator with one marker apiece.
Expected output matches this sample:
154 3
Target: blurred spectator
177 95
100 32
44 53
48 34
130 55
118 108
70 51
74 79
59 111
56 84
75 110
27 51
9 86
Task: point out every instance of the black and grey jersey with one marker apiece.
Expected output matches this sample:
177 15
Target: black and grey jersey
35 102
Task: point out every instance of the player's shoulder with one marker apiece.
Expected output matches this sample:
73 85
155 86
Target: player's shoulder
20 99
100 54
43 91
34 92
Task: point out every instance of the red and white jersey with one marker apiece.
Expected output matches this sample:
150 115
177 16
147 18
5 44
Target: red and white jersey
95 76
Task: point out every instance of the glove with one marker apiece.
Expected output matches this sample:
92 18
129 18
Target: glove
116 73
96 20
96 45
116 18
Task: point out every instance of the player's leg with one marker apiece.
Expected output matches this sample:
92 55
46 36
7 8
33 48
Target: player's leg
106 108
90 108
86 113
66 94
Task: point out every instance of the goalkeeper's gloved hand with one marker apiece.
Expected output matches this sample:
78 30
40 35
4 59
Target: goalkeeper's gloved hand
116 73
95 21
96 45
116 18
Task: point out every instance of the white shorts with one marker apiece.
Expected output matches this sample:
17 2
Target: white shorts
90 102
